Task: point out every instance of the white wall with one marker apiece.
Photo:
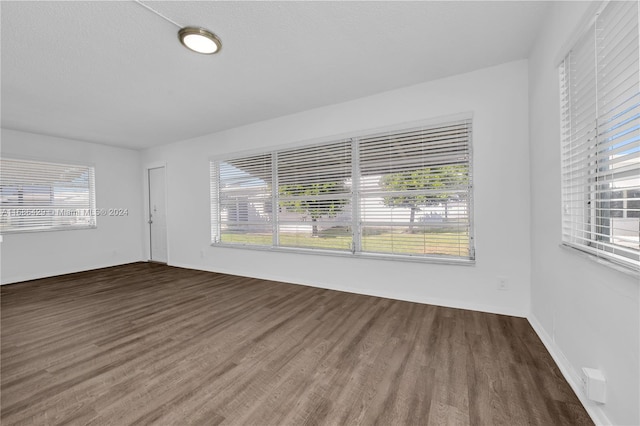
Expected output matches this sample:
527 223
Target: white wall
116 240
586 313
498 99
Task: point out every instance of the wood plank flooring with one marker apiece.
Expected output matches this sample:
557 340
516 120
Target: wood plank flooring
153 344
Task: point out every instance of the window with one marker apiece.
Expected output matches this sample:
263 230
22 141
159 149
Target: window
600 95
314 197
402 193
243 211
39 196
415 192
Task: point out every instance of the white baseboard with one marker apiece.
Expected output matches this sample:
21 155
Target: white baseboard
570 373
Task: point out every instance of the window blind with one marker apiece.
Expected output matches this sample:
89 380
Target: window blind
314 196
415 191
399 193
40 196
244 209
600 104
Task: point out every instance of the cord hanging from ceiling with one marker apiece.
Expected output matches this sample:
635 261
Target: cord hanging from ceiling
158 13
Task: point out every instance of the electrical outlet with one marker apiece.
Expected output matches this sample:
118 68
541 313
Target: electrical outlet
503 284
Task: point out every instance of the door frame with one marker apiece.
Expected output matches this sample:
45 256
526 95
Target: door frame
146 200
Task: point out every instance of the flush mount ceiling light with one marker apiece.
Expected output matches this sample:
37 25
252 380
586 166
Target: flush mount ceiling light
193 38
199 40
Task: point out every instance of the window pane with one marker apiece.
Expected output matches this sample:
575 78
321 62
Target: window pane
414 189
245 201
40 196
314 190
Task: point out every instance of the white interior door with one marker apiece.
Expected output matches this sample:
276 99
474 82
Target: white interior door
157 216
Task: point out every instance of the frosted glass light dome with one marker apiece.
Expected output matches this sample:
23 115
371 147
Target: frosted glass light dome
199 40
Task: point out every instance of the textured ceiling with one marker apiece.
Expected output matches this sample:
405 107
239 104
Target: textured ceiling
113 72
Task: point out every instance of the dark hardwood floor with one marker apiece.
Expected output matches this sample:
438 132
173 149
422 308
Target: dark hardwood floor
152 344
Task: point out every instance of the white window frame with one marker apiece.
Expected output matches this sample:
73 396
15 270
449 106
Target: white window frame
599 92
69 204
356 247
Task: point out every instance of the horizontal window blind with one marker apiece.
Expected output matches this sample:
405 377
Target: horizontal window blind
600 103
244 207
314 196
40 196
401 193
414 191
